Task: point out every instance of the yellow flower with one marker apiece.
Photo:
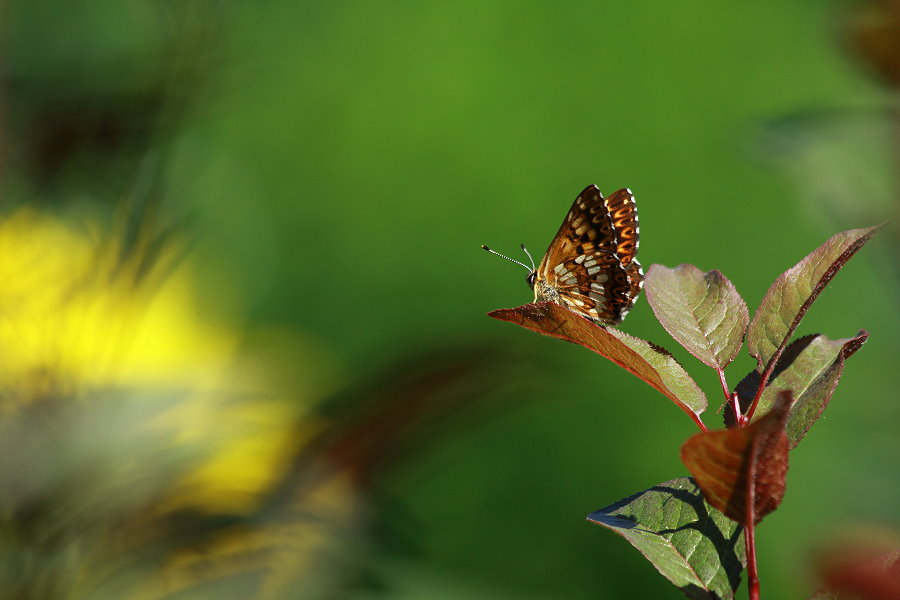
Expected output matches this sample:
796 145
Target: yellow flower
77 320
124 403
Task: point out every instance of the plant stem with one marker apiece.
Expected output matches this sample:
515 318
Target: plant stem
697 420
734 405
752 574
724 383
763 380
749 531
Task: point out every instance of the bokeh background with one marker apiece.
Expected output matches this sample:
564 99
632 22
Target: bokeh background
244 351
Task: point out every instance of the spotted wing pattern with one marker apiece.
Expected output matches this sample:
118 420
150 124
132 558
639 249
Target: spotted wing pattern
590 265
623 215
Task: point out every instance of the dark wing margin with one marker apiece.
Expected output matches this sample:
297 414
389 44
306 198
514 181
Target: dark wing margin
636 284
623 216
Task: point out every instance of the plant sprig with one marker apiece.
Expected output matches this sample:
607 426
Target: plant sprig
699 532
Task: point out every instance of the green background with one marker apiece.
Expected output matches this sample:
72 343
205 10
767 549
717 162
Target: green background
339 163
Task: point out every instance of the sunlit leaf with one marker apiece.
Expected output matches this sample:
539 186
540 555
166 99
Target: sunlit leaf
645 360
810 367
690 543
791 295
702 311
736 465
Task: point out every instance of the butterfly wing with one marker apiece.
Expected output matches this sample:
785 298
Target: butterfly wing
622 213
582 267
596 286
587 227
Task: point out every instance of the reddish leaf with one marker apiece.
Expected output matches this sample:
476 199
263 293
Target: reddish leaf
742 471
702 311
788 299
645 360
748 387
810 367
814 398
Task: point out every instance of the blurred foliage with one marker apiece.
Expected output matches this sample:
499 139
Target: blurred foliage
241 310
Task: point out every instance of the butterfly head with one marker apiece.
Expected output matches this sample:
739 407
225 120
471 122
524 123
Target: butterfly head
531 278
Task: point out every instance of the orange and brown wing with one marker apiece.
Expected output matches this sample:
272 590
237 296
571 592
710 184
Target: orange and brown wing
596 286
635 285
587 228
622 212
591 260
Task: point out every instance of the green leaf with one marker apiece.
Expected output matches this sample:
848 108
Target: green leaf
647 361
791 295
810 367
702 311
693 545
742 471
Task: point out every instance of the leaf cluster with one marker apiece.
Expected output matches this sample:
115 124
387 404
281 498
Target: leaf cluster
693 529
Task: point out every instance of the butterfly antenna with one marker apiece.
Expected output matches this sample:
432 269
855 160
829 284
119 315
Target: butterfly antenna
508 258
529 256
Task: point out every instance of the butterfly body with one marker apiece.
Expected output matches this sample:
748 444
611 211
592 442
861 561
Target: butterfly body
590 266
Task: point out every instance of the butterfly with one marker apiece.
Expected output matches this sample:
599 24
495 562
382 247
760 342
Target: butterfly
590 266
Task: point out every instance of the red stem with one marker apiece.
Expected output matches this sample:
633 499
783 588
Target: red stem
724 383
696 418
734 405
763 381
752 574
749 537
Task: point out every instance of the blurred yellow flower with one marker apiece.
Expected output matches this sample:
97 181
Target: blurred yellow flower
76 318
123 404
